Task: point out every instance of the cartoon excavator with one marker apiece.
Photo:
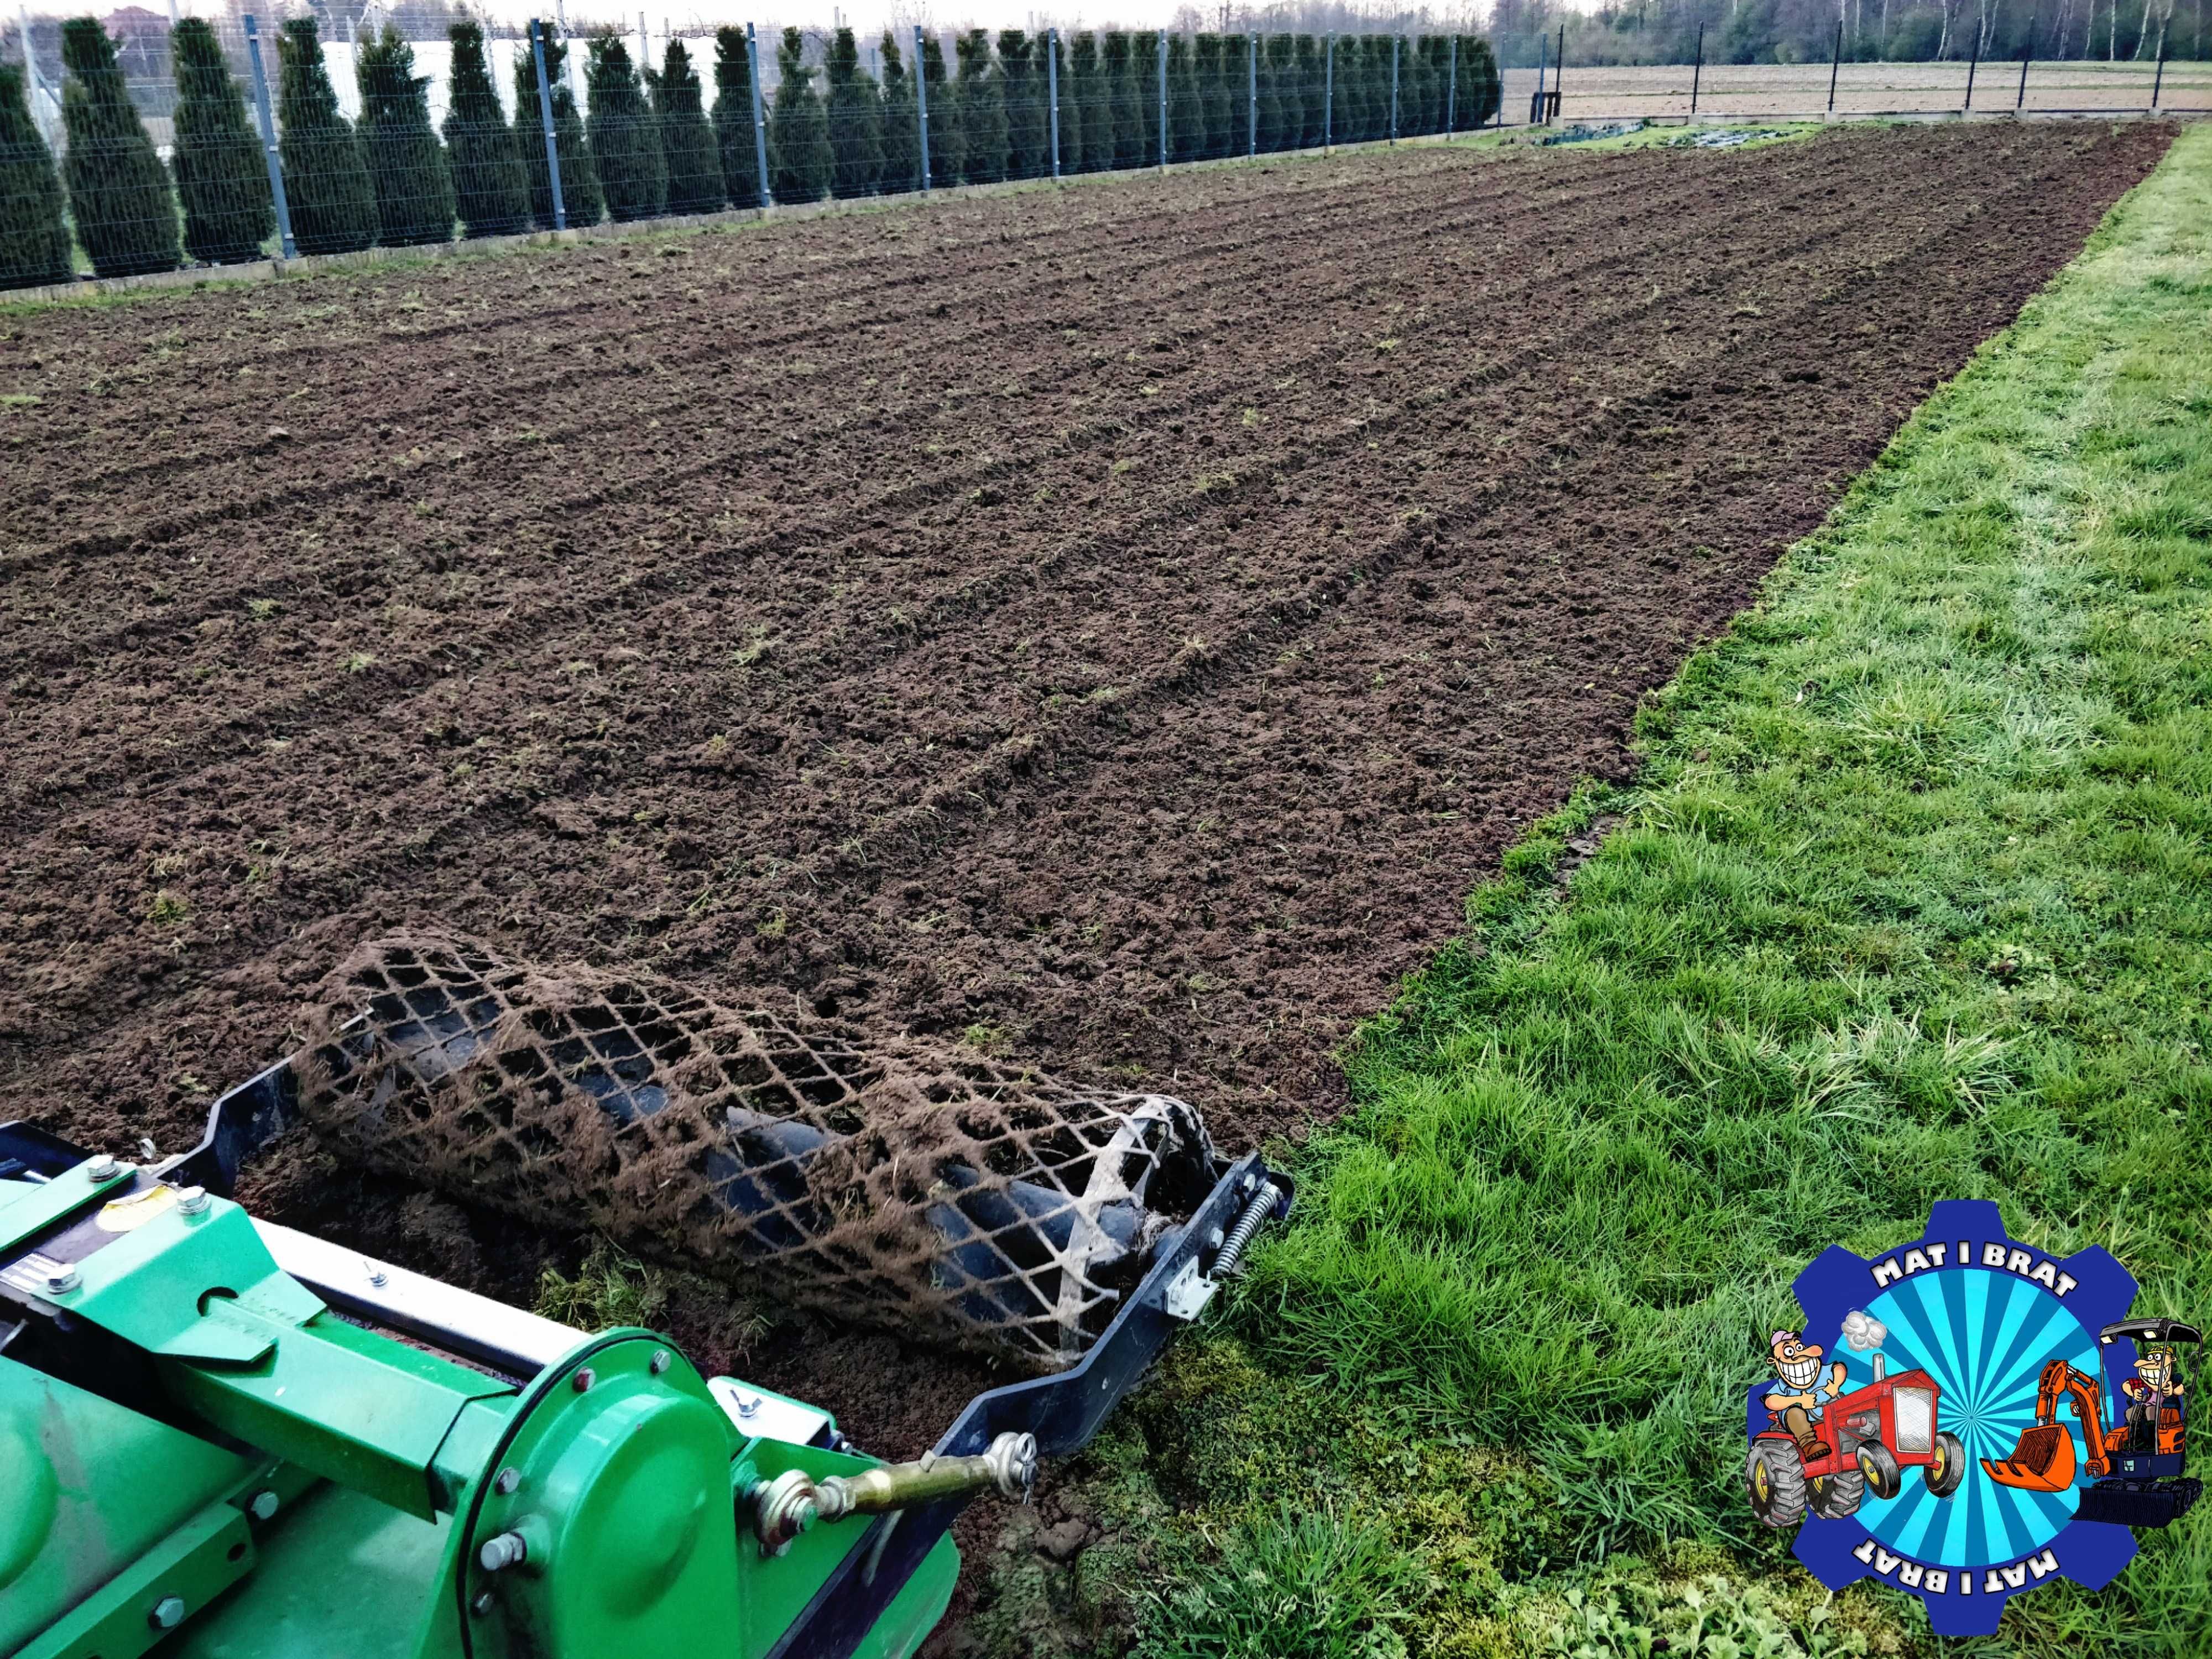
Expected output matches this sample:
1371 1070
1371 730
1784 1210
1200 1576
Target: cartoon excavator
2136 1464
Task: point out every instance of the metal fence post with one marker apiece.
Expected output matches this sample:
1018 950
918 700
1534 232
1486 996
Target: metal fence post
1451 92
545 121
1558 75
1536 104
268 135
760 115
1395 42
1163 100
2026 51
1329 98
1252 88
921 107
1052 91
2159 79
1836 68
1697 72
1972 63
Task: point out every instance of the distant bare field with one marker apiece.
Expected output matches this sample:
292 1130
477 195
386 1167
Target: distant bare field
1776 89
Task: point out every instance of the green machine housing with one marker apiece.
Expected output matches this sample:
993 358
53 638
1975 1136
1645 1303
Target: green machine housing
222 1437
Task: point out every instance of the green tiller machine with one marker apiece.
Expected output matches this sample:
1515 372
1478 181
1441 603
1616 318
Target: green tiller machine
221 1436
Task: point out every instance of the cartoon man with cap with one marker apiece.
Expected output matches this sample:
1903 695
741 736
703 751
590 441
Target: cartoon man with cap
1797 1402
2160 1383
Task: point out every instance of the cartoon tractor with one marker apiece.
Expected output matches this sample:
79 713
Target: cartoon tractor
1878 1432
2136 1465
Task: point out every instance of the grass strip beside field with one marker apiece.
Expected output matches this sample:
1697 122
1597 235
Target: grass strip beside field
1912 901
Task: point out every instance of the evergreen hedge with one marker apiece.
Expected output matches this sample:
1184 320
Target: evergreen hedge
580 180
34 238
736 140
1022 79
902 134
1375 82
1087 134
1121 89
1478 68
223 177
327 181
624 137
406 163
1209 53
118 191
856 121
798 160
981 95
491 186
688 147
1282 99
1311 77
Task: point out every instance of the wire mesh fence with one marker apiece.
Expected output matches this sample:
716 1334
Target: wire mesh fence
219 140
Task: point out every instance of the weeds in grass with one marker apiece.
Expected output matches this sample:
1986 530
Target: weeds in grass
1292 1585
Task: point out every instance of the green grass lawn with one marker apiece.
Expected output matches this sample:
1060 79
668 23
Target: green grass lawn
1913 899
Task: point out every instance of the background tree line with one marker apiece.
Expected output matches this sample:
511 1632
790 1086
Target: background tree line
645 141
1804 31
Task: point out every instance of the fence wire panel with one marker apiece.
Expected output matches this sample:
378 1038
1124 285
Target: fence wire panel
234 138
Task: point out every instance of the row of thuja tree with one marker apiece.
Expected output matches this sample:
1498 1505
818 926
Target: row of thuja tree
991 119
649 145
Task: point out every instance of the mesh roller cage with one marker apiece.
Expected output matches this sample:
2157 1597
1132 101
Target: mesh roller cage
896 1182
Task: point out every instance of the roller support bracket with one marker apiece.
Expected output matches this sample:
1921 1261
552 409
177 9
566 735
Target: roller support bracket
1062 1410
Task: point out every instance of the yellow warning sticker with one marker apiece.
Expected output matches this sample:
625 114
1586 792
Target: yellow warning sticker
135 1211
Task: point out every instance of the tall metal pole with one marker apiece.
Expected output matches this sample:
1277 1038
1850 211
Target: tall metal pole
1836 68
920 106
1395 41
1329 97
1559 73
268 134
2159 79
1252 87
1451 92
1163 100
545 121
1697 72
2020 101
644 45
1052 91
760 115
1972 63
1543 50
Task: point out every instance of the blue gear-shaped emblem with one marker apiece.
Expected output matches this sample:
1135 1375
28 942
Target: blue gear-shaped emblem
1980 1316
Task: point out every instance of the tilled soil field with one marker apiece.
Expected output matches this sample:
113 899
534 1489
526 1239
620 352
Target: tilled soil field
1113 626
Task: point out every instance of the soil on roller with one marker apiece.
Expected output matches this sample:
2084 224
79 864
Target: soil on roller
1113 626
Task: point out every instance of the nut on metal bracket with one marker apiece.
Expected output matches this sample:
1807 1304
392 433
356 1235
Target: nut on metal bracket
1184 1296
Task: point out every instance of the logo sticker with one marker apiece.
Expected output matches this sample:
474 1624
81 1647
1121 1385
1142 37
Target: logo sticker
1967 1418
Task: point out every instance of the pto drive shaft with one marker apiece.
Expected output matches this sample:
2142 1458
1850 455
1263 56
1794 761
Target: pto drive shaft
791 1503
